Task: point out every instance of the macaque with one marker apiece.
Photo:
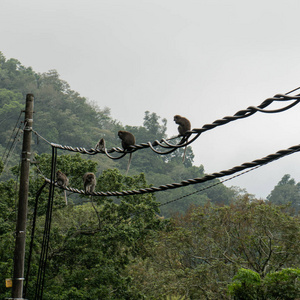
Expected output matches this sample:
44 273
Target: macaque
184 126
128 140
89 182
100 145
62 180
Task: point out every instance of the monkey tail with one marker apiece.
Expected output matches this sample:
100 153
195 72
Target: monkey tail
66 200
183 158
129 161
96 211
184 140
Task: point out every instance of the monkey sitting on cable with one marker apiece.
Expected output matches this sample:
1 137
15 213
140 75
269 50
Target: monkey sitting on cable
128 140
100 145
62 180
89 182
184 126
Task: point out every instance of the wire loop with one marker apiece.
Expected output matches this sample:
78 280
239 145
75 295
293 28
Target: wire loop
254 164
169 147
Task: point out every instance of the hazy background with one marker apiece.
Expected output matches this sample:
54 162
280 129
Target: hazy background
201 59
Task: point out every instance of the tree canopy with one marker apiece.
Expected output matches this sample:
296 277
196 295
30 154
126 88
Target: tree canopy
287 191
208 242
64 117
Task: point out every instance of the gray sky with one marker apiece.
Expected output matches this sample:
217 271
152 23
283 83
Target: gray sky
201 59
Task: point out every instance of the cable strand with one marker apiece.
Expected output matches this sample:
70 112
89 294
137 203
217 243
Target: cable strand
257 162
197 131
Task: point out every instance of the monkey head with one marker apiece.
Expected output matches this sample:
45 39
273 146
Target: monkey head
177 118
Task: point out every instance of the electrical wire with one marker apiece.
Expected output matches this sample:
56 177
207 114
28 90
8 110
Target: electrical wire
8 150
32 238
165 144
257 162
46 236
208 187
12 134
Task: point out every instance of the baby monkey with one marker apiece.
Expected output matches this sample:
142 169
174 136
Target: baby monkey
62 180
184 126
128 140
100 145
89 182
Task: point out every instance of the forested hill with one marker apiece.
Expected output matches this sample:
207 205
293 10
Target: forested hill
131 247
63 116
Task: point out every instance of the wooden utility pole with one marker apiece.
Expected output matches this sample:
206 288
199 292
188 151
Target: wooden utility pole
19 256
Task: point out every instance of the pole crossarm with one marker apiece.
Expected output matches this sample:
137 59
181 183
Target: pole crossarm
184 141
257 162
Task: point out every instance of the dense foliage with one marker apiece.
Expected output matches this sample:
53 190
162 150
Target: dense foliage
286 191
90 244
284 284
202 251
61 117
218 243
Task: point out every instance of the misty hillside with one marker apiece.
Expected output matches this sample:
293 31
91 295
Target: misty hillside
63 116
220 243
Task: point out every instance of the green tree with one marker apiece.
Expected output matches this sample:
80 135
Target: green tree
245 285
286 191
283 284
152 126
10 108
204 249
92 244
62 116
15 77
8 197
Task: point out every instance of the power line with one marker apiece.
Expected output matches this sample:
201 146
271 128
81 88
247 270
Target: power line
46 236
247 165
9 150
165 144
208 187
169 147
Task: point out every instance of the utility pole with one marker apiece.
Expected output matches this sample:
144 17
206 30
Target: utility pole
19 256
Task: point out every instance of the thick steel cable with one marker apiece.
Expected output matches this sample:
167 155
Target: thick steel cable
258 162
46 236
209 187
38 135
197 131
32 238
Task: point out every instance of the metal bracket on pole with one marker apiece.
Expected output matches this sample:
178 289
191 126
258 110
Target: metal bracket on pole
19 233
26 156
27 127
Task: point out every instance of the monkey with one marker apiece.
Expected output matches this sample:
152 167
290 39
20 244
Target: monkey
184 126
89 182
100 145
128 140
62 180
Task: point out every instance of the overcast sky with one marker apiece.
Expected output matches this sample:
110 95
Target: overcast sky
201 59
